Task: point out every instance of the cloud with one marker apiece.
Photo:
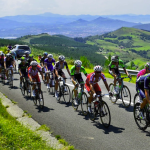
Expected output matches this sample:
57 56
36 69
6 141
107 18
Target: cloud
74 7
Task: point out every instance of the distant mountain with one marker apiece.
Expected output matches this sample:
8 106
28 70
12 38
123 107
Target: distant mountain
130 18
143 26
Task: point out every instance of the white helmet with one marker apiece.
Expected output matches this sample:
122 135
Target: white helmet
50 56
98 68
61 57
26 52
78 63
33 63
115 58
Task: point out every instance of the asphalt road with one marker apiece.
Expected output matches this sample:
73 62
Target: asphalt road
79 130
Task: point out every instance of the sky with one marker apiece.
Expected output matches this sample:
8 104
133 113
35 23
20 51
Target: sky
74 7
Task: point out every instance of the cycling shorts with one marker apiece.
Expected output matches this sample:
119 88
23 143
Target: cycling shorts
60 73
95 86
79 78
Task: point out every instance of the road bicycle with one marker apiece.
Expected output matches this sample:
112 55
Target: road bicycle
38 95
10 77
51 90
63 91
124 93
142 123
26 86
3 76
99 108
81 98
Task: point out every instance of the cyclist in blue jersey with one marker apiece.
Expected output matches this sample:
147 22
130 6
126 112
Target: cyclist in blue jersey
49 67
143 88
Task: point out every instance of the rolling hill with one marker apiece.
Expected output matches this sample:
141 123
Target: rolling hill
129 43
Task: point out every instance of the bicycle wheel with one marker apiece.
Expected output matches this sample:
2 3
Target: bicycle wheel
136 99
52 90
114 97
84 102
29 90
66 94
126 96
141 123
60 92
34 100
92 114
73 99
104 114
23 89
41 100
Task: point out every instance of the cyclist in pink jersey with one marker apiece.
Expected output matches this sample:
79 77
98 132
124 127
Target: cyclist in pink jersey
144 71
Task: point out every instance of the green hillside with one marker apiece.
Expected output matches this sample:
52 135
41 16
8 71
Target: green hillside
129 43
66 46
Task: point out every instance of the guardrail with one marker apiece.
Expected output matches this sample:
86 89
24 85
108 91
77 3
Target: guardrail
131 72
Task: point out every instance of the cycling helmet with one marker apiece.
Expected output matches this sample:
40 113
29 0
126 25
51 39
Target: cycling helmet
62 57
98 68
115 58
50 56
22 59
147 65
8 55
33 63
78 63
45 53
31 56
26 52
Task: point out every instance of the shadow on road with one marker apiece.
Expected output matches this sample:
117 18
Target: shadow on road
44 109
129 109
111 128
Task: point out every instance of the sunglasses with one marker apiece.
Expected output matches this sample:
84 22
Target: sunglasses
98 72
78 66
34 66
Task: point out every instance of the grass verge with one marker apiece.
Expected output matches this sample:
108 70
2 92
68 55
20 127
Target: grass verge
13 135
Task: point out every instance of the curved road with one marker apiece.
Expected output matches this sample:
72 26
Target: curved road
79 130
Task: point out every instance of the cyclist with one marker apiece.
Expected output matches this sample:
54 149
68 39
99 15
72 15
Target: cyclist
92 86
43 58
59 65
9 47
1 62
33 75
143 88
23 66
145 70
13 54
30 59
76 76
39 57
114 71
8 63
26 55
48 66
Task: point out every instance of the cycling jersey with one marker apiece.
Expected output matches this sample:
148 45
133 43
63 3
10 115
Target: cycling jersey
23 68
73 71
116 68
2 61
34 72
8 62
77 75
42 59
90 79
49 63
58 66
142 83
141 73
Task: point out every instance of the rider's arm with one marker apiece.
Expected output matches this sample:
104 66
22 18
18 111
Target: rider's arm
73 81
106 85
30 77
126 71
92 89
147 95
5 64
68 71
42 75
45 65
20 72
113 72
56 72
